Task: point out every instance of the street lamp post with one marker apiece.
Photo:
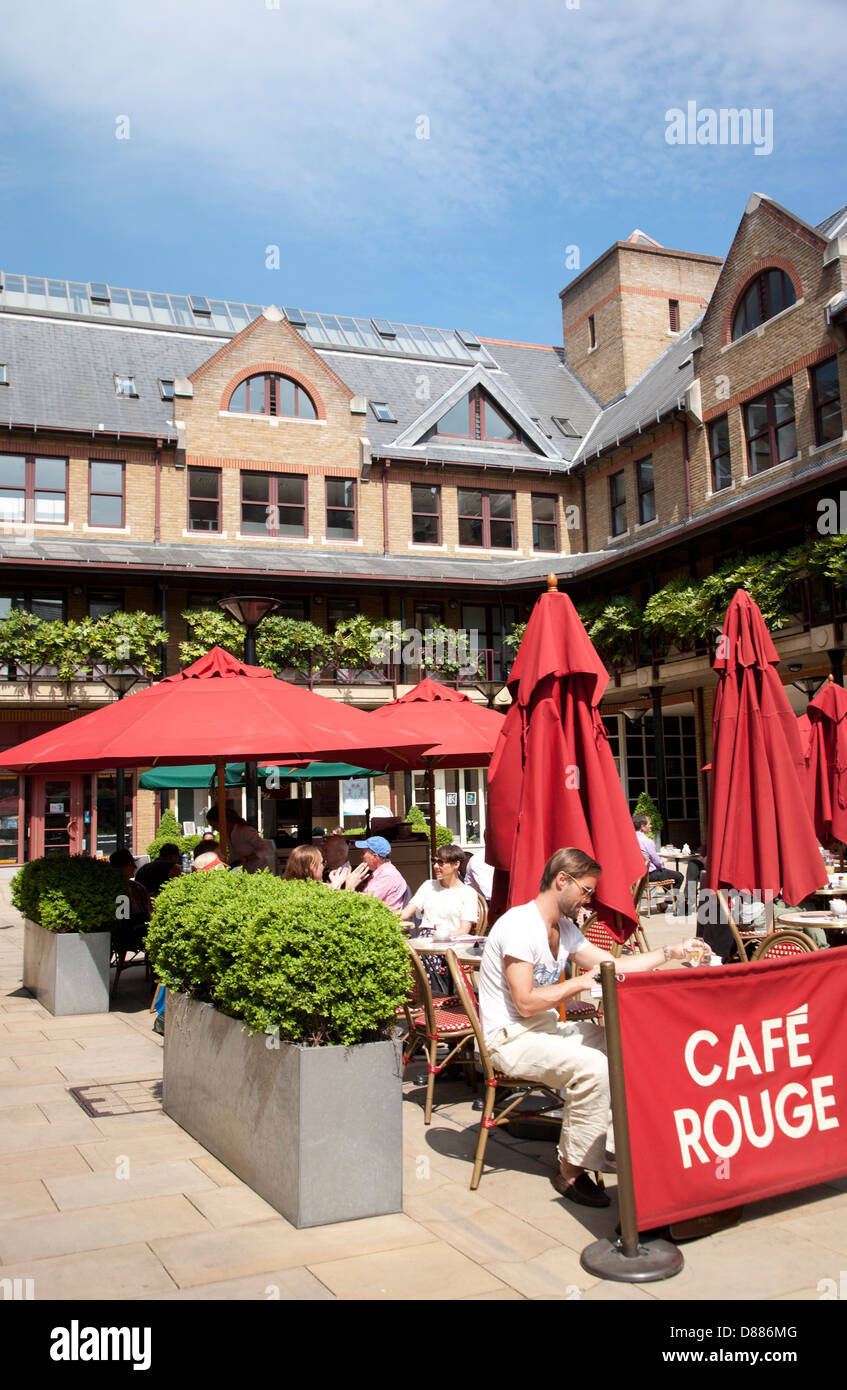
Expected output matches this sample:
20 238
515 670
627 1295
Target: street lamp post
249 610
120 683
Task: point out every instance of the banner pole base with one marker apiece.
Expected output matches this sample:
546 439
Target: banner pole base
656 1259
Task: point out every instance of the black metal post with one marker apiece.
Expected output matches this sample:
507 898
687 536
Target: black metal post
659 743
120 809
251 770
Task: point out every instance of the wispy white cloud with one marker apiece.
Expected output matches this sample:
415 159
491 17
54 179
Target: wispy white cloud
314 107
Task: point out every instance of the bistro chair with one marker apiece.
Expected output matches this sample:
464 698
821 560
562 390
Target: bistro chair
434 1025
784 943
126 958
502 1093
745 941
482 915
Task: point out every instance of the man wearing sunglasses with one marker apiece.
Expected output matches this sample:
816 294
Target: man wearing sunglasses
519 995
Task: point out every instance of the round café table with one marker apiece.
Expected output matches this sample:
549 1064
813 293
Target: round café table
828 922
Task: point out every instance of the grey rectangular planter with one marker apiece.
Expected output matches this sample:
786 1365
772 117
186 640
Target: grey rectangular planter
68 972
316 1131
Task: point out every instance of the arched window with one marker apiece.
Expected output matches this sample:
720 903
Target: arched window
269 393
768 294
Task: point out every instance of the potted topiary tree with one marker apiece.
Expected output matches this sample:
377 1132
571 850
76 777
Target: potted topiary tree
279 1054
69 906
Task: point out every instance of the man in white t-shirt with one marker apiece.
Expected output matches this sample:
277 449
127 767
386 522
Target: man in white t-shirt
525 955
480 875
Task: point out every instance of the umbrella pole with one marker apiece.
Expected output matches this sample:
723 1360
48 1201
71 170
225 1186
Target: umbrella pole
430 781
220 770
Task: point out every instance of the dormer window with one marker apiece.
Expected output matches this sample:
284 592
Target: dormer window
382 410
125 386
272 394
166 388
476 416
767 295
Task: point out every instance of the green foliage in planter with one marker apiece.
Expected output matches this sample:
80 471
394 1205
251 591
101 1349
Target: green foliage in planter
766 581
676 613
514 637
285 642
170 833
322 967
826 558
353 642
117 640
69 894
207 628
418 821
612 629
646 806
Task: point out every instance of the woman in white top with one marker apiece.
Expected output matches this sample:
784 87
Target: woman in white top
446 903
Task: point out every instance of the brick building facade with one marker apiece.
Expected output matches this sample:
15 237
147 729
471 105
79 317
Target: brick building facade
159 452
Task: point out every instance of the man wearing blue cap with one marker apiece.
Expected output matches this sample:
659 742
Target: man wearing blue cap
383 880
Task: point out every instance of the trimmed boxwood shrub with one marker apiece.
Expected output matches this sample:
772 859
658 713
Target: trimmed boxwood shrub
314 964
69 894
170 833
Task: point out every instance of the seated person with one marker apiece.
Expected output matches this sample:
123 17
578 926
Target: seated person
305 862
133 915
479 874
444 902
657 869
247 849
209 859
209 844
377 874
336 858
168 865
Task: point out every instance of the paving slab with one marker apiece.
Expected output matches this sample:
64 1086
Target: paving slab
28 1198
108 1188
50 1136
276 1286
125 1271
36 1095
70 1232
431 1272
492 1235
213 1168
265 1245
41 1163
555 1274
139 1148
231 1206
750 1262
827 1228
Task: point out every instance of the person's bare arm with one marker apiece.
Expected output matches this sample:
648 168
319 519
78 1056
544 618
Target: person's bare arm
531 1000
589 956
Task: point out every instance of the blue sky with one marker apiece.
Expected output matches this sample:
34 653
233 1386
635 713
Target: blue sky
253 126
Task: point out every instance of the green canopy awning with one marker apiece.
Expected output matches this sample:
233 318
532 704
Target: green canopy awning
201 774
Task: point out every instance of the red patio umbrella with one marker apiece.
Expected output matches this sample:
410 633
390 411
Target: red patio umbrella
826 762
761 836
553 781
466 732
220 710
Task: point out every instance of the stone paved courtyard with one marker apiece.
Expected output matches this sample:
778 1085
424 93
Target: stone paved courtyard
128 1206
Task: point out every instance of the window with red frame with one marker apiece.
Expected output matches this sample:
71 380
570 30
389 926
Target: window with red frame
545 522
273 504
476 416
33 489
617 502
487 519
270 393
105 494
341 509
426 514
645 483
771 433
719 452
204 499
826 395
767 295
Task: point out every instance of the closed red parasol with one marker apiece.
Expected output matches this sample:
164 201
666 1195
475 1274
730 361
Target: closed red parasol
826 762
761 836
553 781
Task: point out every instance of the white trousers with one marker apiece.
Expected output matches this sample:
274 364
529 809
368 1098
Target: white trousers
571 1058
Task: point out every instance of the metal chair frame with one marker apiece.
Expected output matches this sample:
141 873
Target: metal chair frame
425 1033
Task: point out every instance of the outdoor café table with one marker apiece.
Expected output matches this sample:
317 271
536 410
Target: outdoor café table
463 948
834 927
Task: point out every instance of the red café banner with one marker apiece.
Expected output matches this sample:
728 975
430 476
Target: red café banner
736 1082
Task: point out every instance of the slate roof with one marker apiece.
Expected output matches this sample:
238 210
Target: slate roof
834 225
215 559
659 390
61 374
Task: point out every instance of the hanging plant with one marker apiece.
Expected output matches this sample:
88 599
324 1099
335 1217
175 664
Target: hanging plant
514 637
826 558
763 577
613 628
677 613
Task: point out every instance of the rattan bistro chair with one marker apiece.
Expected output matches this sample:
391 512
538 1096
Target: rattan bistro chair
434 1025
497 1107
784 943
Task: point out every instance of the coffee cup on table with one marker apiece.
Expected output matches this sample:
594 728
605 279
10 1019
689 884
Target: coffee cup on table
839 907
